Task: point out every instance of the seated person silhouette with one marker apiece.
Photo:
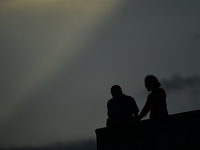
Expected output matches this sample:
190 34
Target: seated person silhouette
121 109
156 100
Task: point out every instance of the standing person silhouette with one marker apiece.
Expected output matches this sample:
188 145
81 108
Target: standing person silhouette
156 100
121 109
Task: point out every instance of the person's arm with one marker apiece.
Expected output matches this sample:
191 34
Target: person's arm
145 109
109 112
135 110
111 122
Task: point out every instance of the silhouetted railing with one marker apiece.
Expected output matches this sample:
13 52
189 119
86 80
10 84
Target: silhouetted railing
175 132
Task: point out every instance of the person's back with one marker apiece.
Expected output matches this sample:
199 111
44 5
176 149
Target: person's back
157 102
121 109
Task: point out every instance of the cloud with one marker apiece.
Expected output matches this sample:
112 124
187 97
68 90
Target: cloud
89 144
183 92
177 82
197 36
79 145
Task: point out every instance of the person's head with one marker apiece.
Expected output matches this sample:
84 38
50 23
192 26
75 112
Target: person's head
116 91
151 82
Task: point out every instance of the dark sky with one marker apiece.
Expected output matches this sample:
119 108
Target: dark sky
59 59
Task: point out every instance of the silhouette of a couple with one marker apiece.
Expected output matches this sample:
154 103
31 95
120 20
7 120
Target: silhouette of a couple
123 110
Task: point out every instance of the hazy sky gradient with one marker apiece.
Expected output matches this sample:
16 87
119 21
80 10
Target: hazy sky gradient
59 59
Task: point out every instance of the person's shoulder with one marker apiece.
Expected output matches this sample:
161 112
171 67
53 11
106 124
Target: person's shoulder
130 98
161 90
110 101
127 96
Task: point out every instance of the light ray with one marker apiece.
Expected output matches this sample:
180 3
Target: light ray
81 22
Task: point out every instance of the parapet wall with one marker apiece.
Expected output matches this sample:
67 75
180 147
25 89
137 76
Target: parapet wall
175 132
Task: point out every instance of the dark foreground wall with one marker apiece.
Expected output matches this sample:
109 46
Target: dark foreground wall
176 132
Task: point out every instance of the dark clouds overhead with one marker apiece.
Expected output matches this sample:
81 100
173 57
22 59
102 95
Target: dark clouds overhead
178 82
182 92
197 37
60 58
89 144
